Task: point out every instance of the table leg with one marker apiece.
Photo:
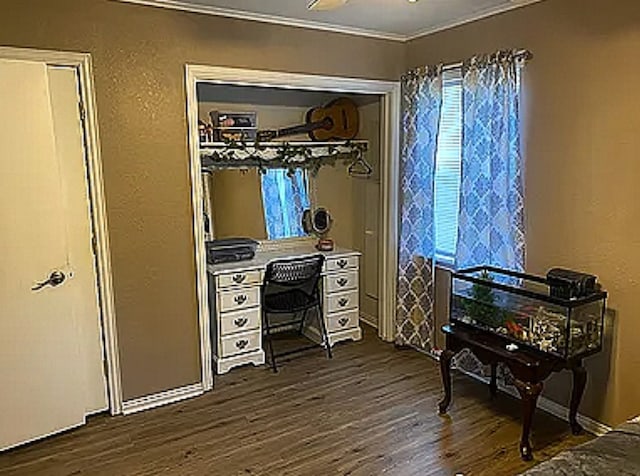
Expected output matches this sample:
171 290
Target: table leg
529 393
493 384
445 370
579 383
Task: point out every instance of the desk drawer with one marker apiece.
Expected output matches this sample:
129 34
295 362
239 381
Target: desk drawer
243 278
234 322
342 321
339 302
341 281
336 264
241 343
243 298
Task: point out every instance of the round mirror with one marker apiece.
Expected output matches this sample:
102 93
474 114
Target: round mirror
317 222
321 221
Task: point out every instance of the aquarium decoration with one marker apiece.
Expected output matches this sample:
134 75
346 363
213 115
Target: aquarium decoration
481 307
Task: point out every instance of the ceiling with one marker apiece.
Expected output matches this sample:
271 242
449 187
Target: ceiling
390 19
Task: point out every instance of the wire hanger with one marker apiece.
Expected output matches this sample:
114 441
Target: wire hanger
360 167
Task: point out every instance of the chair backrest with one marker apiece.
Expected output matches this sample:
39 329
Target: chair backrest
297 272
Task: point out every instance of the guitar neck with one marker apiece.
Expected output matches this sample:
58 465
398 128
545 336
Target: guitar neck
301 129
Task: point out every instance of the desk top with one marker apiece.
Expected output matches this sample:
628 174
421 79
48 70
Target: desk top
264 257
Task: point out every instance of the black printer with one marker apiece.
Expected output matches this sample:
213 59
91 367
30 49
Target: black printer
230 249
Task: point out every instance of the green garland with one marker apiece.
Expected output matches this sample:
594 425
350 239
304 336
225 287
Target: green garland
288 156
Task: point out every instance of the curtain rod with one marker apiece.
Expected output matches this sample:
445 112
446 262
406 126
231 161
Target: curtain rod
519 54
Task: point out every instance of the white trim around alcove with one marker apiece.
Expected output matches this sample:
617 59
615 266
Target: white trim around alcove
163 398
390 127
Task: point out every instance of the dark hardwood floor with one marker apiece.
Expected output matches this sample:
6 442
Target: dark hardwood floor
369 411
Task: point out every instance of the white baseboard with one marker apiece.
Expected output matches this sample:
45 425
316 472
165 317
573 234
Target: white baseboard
589 424
545 404
369 320
553 408
162 398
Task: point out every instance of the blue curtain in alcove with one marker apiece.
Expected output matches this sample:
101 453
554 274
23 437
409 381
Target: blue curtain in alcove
284 199
422 102
491 221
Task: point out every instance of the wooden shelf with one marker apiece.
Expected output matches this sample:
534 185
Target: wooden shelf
312 144
283 154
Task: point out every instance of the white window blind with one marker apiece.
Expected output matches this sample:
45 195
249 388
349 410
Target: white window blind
448 160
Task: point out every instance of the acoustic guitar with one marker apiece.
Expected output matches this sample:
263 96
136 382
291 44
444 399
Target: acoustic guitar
338 120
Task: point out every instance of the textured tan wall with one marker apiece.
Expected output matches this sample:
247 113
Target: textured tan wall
236 197
139 56
582 143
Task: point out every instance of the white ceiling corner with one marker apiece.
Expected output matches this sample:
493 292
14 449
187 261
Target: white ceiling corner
396 20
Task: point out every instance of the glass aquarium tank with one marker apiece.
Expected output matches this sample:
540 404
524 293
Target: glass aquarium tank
523 309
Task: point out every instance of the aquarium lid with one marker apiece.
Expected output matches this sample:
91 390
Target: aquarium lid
473 275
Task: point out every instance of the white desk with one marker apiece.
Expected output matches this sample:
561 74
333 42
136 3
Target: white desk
236 314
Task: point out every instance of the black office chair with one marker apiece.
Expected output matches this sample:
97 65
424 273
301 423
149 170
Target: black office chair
292 287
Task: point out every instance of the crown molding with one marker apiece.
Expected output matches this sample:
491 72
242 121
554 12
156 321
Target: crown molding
187 6
489 12
264 18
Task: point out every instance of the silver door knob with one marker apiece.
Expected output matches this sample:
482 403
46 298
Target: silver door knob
55 279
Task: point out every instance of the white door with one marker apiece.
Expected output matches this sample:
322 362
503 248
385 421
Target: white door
64 90
42 370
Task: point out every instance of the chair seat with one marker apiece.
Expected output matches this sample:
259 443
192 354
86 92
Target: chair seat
291 301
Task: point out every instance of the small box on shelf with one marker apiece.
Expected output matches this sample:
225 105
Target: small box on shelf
233 126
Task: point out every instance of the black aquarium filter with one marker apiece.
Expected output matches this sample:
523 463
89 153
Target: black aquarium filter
567 284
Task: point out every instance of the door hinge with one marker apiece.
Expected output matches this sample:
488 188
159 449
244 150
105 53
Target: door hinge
94 245
83 111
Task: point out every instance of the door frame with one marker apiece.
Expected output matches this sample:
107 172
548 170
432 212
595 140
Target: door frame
83 64
389 194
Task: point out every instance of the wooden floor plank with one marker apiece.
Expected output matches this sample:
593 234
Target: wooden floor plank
370 410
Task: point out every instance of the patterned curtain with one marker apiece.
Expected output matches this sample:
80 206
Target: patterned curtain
491 224
422 101
284 199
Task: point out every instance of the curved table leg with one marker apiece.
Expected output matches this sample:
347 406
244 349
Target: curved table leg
579 383
529 393
445 370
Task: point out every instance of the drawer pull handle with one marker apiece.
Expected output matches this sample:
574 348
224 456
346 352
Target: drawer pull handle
344 321
241 344
342 282
240 299
239 278
343 263
241 321
343 302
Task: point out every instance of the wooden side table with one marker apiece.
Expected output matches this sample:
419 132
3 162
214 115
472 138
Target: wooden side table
529 368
